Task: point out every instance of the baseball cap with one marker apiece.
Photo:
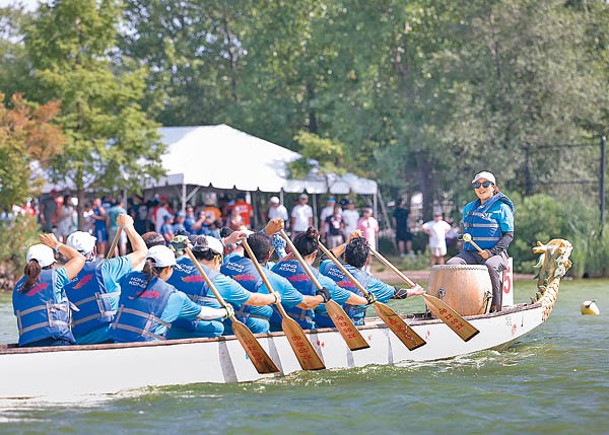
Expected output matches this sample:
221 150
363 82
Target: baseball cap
82 241
303 196
204 243
486 175
331 199
162 256
215 245
42 254
274 200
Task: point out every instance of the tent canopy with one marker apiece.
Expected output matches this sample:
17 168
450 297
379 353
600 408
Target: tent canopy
226 158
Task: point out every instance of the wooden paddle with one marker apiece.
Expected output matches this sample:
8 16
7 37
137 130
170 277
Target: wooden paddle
261 360
114 243
438 307
343 323
400 328
302 347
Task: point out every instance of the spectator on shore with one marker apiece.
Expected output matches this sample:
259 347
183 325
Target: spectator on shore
48 211
167 228
277 210
99 227
369 227
65 219
335 228
116 210
302 216
403 236
350 216
437 229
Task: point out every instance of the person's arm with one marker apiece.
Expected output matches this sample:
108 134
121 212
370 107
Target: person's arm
310 302
258 299
340 249
137 243
76 261
502 244
356 300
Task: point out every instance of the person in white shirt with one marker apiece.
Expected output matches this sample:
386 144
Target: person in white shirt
302 216
277 210
437 230
350 217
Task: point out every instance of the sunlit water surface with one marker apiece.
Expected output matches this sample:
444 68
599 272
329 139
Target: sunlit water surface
555 379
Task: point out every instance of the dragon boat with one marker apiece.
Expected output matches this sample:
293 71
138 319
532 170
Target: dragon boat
75 371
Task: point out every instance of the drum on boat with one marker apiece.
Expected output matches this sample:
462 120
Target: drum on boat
465 287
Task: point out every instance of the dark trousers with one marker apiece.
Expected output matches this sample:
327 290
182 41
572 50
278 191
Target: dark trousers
495 265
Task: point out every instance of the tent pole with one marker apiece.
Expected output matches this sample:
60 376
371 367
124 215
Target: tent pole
315 210
183 197
375 203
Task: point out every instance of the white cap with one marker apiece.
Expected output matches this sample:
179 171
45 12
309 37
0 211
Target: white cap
42 254
215 245
162 256
82 241
303 196
274 200
486 175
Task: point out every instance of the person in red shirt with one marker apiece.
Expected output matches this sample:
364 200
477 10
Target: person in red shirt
244 209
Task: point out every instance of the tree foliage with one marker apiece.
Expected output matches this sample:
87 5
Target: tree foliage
27 138
111 141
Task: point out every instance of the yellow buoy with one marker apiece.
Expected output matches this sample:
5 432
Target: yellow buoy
590 307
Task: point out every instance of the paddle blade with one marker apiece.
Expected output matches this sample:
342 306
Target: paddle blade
345 326
400 328
302 347
261 360
448 315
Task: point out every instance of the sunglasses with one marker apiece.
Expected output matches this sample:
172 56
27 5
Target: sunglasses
477 184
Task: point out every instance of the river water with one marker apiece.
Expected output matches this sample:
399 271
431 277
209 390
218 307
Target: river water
555 379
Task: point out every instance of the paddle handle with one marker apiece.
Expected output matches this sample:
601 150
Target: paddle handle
392 267
342 268
301 260
210 284
263 275
114 243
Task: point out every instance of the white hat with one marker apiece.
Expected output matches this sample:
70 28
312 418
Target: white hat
274 200
162 256
42 254
303 196
486 175
215 245
82 241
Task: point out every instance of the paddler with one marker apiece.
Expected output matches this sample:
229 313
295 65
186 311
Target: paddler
357 256
39 299
307 244
251 308
243 270
95 290
489 220
148 304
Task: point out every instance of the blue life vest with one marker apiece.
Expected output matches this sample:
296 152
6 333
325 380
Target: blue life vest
481 225
87 291
140 309
38 315
243 271
186 277
355 312
298 277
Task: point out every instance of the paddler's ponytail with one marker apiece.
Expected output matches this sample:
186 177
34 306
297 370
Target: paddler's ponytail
32 271
307 242
151 272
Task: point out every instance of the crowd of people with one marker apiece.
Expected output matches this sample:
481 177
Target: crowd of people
72 293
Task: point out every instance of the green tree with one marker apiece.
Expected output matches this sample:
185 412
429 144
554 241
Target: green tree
111 141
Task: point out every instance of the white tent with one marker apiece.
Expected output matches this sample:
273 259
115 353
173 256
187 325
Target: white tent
225 158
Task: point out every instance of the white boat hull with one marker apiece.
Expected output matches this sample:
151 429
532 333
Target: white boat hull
69 372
